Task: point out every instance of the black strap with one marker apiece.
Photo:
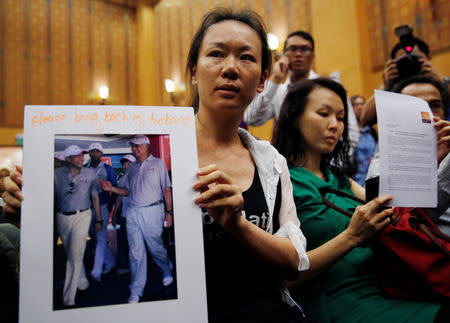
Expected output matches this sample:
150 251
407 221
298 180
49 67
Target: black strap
276 209
325 190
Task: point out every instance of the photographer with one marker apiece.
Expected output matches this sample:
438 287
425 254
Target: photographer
416 62
409 57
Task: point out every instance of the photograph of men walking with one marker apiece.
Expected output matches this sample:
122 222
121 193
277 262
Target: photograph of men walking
85 190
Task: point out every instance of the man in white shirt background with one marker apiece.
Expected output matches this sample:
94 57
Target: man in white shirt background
294 65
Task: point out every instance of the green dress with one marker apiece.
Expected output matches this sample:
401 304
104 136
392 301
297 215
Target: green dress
348 291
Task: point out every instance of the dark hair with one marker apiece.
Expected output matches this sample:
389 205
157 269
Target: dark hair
246 16
398 88
288 138
419 42
300 33
354 97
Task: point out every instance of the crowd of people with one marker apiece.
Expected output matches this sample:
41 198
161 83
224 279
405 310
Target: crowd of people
274 252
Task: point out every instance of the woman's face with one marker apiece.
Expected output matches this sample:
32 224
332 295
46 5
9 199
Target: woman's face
322 122
228 70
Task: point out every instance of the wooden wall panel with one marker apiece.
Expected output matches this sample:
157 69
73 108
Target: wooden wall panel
81 77
60 69
100 56
132 58
38 53
429 19
2 61
158 46
278 27
61 51
300 18
166 54
118 87
259 7
174 29
14 62
186 36
376 30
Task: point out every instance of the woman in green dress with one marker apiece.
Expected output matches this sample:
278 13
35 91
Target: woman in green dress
312 121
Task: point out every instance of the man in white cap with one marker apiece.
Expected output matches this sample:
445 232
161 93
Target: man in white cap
104 260
76 190
149 188
121 207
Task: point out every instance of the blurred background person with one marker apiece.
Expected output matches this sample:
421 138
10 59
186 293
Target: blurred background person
104 260
120 217
416 53
368 138
433 93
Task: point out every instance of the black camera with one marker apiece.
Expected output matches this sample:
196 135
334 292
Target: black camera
408 64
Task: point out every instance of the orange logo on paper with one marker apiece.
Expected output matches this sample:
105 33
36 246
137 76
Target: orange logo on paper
426 118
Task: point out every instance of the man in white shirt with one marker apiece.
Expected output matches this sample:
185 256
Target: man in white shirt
295 65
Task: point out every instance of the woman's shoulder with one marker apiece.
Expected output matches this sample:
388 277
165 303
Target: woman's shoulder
305 184
262 151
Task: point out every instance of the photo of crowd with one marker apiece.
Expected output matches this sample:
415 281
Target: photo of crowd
113 220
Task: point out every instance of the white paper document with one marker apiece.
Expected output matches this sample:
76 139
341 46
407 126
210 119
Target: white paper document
408 150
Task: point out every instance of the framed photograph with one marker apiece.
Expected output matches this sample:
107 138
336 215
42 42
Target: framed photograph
109 227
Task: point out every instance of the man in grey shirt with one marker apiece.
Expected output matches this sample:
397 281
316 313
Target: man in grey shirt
149 188
75 190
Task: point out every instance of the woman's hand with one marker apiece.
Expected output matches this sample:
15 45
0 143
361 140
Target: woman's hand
219 196
443 137
366 220
13 195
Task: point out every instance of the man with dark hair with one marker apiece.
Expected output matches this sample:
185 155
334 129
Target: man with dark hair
428 89
295 65
391 73
391 77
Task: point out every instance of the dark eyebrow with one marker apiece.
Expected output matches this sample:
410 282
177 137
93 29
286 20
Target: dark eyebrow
435 100
329 108
223 46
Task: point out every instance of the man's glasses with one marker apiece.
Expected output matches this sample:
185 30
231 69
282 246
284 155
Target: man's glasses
302 49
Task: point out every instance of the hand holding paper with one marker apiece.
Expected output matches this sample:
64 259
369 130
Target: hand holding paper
408 166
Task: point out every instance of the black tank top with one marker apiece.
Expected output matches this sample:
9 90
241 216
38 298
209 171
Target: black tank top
239 286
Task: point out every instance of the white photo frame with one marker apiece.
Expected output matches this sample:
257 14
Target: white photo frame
42 124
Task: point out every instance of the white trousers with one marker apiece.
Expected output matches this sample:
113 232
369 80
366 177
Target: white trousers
73 230
103 254
145 227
